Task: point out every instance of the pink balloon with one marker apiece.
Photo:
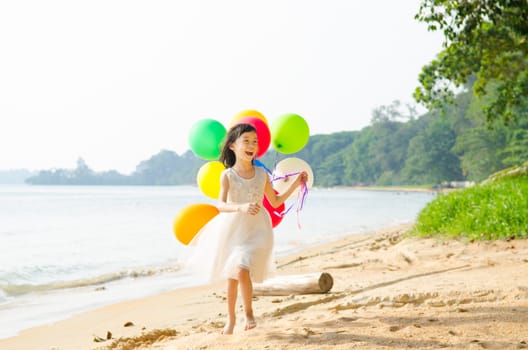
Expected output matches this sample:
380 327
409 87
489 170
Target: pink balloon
263 133
274 213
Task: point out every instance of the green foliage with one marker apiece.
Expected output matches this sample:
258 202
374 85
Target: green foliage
324 153
486 147
377 154
486 39
492 211
430 158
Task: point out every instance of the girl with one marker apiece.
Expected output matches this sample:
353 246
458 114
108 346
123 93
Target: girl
237 244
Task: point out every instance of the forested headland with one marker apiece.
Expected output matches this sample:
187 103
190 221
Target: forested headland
475 91
397 148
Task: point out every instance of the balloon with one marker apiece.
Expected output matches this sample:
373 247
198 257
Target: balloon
248 113
274 213
191 219
290 133
208 178
206 137
289 166
263 133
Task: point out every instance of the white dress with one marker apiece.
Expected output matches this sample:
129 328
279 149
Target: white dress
232 239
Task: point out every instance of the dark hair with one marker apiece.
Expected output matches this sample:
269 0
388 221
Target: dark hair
227 157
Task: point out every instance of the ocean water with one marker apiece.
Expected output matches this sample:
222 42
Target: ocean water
66 249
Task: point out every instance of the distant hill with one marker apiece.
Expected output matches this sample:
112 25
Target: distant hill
162 169
15 176
396 149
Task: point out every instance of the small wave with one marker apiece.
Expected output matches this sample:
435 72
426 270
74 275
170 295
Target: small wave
7 290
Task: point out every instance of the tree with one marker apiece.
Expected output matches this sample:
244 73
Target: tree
391 136
360 168
167 168
324 153
485 38
478 151
393 112
83 174
485 147
430 160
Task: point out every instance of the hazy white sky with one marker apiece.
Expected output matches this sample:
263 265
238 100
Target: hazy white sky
115 82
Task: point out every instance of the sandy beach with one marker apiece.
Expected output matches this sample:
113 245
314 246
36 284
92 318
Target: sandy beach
389 292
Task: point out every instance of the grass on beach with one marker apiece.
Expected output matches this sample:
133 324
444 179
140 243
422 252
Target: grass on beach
495 210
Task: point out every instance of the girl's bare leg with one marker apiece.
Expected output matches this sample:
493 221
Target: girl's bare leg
232 290
246 289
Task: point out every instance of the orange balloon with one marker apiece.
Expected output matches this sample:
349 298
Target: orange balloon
248 113
191 219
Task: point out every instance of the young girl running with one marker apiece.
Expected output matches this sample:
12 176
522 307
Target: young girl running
237 243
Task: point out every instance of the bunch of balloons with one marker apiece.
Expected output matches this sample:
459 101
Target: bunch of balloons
288 134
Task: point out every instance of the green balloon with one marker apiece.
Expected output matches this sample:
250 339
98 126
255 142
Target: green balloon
289 133
206 137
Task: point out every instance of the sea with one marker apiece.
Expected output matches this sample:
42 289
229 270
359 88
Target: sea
68 249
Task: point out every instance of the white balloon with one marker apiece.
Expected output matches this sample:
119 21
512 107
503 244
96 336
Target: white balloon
289 166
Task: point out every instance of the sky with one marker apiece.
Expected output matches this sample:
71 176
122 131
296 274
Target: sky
116 82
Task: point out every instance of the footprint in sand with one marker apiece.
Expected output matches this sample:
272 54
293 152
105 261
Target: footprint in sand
347 319
394 328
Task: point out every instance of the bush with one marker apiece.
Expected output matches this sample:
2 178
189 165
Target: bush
495 210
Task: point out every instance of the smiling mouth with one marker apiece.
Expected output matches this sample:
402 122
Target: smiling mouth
250 154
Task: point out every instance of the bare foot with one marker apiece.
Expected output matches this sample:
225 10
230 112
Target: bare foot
250 322
228 328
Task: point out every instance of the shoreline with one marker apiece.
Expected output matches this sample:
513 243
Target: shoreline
389 292
396 189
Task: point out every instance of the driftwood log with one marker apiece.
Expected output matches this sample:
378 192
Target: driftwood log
313 283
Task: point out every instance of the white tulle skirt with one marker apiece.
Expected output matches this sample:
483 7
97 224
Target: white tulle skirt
231 241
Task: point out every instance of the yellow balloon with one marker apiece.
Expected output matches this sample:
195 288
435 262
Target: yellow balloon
191 219
208 178
248 113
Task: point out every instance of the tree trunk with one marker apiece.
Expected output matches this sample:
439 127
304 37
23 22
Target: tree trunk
313 283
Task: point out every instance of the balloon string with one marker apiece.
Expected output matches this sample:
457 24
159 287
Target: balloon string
304 192
284 176
301 198
301 195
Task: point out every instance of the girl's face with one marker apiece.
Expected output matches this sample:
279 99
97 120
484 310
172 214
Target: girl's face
246 146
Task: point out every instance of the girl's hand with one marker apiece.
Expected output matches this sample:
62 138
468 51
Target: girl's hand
302 178
250 208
